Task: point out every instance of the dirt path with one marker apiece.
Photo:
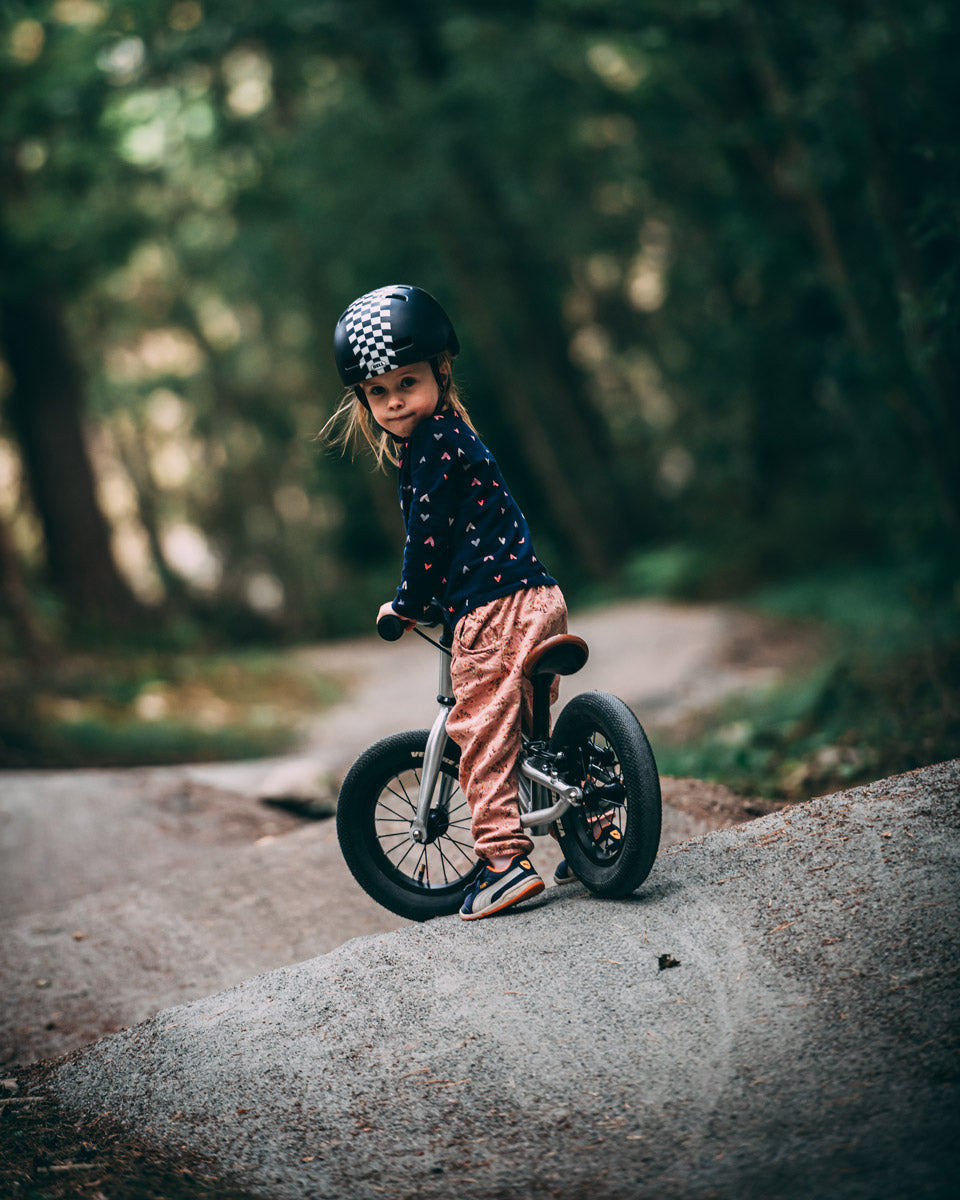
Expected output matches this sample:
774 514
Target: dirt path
124 892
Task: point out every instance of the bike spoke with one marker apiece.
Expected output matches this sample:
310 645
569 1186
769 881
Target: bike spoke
465 848
445 862
396 834
393 819
403 858
401 798
399 839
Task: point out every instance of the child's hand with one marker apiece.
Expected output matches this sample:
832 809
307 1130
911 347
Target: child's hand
387 610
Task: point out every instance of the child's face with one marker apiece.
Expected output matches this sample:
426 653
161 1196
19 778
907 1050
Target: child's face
401 399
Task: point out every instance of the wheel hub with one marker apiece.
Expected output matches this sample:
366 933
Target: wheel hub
438 822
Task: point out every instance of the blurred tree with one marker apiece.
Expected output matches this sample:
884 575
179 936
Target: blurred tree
44 410
15 600
701 254
46 255
802 166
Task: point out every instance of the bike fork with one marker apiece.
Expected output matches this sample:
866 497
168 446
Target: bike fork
432 757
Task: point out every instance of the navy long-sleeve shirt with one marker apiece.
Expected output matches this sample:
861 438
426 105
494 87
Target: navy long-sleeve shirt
467 540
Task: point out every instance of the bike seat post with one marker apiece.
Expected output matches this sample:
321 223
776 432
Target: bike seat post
562 654
540 730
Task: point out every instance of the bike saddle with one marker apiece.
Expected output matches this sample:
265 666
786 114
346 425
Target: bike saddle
563 654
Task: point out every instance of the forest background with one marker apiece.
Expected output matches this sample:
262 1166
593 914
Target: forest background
704 260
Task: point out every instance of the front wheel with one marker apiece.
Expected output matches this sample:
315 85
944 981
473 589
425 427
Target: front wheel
610 841
378 801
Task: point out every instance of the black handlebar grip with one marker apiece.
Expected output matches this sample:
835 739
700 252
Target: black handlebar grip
391 627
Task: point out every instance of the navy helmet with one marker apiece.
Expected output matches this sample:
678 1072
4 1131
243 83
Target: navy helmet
390 327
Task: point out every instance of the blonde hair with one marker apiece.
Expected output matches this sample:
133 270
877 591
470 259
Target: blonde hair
352 427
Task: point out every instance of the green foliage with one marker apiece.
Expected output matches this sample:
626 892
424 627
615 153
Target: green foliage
702 258
130 710
856 720
676 570
884 699
882 607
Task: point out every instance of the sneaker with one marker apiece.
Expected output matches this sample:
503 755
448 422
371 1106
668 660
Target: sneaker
606 837
496 890
563 874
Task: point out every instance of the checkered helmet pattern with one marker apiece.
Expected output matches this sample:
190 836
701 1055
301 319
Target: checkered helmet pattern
367 325
390 327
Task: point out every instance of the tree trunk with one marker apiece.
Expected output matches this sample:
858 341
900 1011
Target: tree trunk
32 642
45 415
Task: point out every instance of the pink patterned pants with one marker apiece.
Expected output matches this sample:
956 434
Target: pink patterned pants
492 701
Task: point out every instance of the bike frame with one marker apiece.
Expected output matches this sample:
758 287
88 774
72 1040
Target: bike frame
537 782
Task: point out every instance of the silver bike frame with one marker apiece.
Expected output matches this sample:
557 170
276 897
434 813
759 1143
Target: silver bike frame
535 784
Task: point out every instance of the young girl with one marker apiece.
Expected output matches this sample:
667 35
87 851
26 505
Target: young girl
467 547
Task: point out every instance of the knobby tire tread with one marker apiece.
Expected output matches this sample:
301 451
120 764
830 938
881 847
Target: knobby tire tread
599 712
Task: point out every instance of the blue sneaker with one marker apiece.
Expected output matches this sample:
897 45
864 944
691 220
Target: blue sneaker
606 836
496 890
563 874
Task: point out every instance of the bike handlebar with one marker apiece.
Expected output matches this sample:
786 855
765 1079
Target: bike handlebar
392 627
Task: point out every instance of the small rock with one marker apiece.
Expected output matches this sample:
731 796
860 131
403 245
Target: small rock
301 788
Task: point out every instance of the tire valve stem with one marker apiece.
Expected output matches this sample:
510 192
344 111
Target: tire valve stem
421 872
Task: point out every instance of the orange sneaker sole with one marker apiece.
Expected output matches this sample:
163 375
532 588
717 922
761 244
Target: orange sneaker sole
534 889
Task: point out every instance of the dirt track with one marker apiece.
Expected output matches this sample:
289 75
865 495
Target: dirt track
125 892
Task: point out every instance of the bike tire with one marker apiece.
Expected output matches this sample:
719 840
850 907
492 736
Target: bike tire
377 803
610 759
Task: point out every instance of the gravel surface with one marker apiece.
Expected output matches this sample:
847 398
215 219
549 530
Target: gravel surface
773 1015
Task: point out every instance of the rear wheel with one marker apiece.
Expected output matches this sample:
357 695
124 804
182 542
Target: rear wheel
610 841
378 802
